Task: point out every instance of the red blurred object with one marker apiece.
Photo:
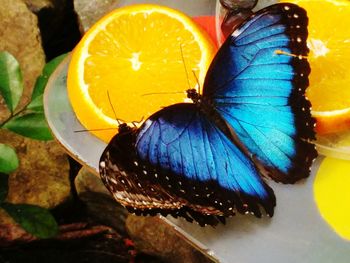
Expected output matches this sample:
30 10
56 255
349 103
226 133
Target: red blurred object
208 24
229 23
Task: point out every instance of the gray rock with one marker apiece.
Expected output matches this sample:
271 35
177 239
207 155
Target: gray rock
155 237
86 181
43 175
37 5
99 203
89 11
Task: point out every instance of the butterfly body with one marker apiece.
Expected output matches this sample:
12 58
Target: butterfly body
207 107
206 160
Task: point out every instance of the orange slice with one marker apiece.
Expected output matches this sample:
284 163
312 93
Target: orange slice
332 196
329 43
136 55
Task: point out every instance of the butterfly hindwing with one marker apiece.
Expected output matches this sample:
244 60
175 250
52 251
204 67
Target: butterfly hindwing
122 175
257 83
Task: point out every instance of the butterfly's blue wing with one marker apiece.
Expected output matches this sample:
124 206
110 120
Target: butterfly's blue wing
187 154
124 175
257 83
180 163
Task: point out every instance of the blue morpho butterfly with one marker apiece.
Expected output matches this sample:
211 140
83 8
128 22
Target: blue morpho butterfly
206 160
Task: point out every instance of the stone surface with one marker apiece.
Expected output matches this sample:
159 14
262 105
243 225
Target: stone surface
37 5
20 36
99 202
87 181
153 236
43 175
89 11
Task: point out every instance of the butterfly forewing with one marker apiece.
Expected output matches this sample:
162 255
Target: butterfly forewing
257 83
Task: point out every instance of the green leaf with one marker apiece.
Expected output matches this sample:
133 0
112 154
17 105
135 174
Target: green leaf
41 81
36 105
8 159
35 220
11 81
4 186
32 125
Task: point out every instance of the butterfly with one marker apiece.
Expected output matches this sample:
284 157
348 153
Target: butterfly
205 161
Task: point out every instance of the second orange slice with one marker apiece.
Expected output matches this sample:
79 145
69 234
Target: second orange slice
329 58
131 52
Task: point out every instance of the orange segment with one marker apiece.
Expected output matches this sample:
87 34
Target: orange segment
329 43
131 52
332 196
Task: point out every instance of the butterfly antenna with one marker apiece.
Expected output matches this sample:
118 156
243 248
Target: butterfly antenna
137 122
110 103
102 129
163 93
183 62
120 121
197 80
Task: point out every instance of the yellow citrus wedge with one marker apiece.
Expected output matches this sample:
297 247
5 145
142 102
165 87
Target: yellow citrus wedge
136 56
329 44
332 196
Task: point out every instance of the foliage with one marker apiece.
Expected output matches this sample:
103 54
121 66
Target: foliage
29 122
11 82
33 219
8 159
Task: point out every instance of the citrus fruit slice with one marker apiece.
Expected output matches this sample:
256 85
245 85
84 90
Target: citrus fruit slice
332 196
329 57
132 62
